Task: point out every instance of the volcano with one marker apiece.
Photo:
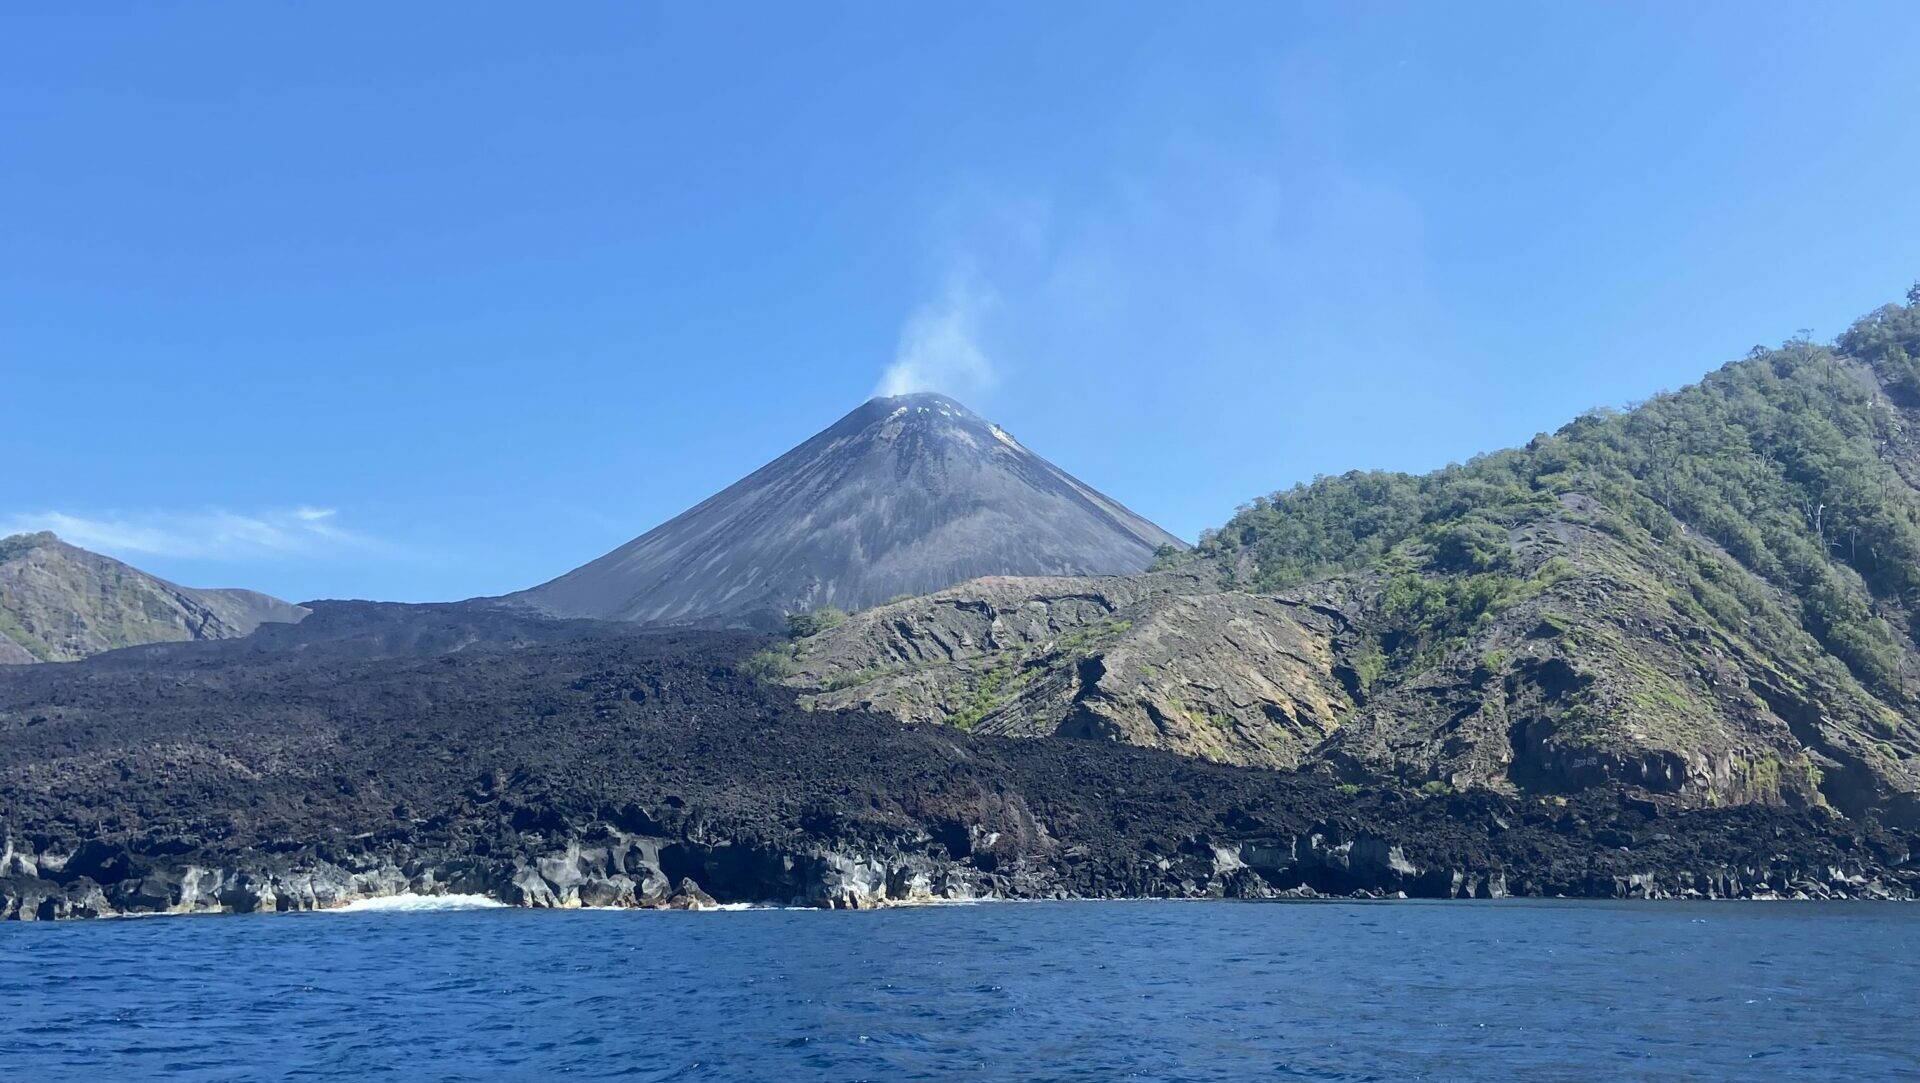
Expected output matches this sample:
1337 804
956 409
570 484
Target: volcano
905 495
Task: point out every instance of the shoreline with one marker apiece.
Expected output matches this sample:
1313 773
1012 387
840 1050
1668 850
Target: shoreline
382 905
616 872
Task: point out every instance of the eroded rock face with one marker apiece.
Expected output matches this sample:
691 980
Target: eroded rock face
1156 661
59 602
614 871
1597 673
604 867
1589 670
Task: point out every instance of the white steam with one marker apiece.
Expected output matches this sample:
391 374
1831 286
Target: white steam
940 347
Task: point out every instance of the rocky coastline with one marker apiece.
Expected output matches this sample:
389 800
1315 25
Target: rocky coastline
603 866
378 751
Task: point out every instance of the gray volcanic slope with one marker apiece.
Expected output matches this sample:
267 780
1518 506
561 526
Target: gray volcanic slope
902 496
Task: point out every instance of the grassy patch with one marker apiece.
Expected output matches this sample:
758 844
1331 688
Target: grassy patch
1369 664
985 698
1092 634
33 644
772 664
841 681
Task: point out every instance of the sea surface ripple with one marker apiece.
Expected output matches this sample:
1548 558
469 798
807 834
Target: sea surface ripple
1022 991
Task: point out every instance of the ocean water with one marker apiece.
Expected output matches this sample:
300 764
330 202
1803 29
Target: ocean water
1016 991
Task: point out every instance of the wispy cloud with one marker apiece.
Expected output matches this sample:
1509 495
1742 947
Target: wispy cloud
211 534
940 346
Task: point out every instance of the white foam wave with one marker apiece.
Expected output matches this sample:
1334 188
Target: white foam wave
410 903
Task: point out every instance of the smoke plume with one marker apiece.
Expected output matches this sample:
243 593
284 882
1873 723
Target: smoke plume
940 347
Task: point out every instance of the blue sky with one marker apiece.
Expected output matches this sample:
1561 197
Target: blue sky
425 302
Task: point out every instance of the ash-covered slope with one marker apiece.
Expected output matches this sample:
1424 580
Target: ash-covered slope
902 496
59 602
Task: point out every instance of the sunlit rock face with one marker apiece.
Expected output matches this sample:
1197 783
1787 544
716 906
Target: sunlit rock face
59 603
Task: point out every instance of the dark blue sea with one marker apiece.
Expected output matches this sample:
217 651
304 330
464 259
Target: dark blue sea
1017 991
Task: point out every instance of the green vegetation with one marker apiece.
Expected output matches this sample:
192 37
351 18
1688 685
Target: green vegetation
1086 637
33 644
1763 776
1786 460
1712 581
771 664
783 660
14 545
852 678
802 625
62 603
1552 626
1442 608
986 697
1814 775
1369 664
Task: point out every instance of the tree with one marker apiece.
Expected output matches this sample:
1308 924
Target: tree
802 625
1471 545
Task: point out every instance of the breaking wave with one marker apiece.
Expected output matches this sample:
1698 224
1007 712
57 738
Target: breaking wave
410 903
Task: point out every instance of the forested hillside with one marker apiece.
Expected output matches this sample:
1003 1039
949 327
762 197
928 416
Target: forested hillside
1712 595
1800 462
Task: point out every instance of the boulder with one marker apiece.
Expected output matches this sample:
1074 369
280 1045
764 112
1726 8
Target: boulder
690 896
